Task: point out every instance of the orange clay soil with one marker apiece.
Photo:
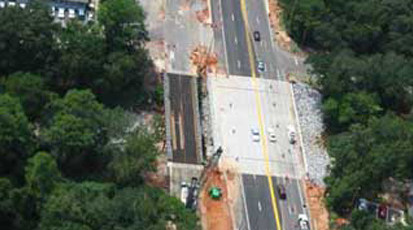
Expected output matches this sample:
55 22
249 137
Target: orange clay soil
318 210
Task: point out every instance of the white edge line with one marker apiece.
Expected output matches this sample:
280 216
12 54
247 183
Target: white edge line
297 120
302 147
223 34
245 204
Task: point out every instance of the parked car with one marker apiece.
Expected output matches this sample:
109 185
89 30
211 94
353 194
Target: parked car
382 211
72 13
61 13
255 135
257 36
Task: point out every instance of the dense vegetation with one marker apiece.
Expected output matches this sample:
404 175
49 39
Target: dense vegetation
68 157
362 55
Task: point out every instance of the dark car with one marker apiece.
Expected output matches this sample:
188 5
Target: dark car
281 192
257 36
382 212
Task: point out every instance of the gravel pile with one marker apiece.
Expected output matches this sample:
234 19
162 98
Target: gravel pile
308 103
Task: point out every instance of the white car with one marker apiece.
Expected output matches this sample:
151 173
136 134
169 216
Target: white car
72 13
291 135
271 135
61 13
261 67
255 135
81 12
303 222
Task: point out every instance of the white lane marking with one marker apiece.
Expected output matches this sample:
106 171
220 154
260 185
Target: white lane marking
239 64
296 61
236 40
244 200
258 20
300 192
223 35
232 17
259 206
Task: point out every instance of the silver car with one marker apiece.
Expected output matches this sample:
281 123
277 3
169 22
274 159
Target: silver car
261 67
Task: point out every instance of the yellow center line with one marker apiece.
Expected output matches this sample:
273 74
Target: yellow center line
260 122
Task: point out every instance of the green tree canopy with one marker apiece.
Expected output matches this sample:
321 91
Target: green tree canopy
138 156
16 138
26 39
124 24
366 156
81 56
31 91
41 174
76 132
91 205
352 108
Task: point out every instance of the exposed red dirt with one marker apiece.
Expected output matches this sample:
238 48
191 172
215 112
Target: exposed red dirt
318 210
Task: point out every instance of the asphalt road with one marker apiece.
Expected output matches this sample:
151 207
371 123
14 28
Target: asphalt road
258 202
258 205
259 209
277 61
183 125
258 21
234 37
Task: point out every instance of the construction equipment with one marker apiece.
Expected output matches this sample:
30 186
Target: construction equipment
215 193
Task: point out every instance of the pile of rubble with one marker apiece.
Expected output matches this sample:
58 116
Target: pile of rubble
308 103
203 60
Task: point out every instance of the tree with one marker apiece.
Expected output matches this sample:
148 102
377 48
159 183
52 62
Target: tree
76 133
31 91
124 26
81 57
91 205
352 108
123 79
127 62
135 158
366 156
16 138
26 39
7 213
41 174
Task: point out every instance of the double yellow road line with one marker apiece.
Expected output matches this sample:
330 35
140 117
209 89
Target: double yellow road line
260 120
